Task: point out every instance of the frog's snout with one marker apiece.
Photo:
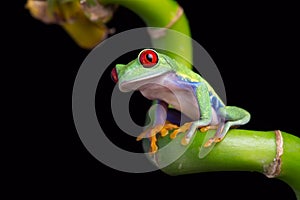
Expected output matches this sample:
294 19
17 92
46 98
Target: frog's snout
114 75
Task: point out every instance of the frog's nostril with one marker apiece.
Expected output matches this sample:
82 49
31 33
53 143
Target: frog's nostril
114 75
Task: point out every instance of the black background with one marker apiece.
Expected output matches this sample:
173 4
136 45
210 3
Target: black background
255 47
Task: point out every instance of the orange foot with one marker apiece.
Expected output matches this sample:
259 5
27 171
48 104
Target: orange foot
211 140
209 127
181 129
153 131
186 127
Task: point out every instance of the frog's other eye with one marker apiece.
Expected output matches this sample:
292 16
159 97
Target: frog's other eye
148 58
114 75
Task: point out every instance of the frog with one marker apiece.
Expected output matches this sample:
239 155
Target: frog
174 86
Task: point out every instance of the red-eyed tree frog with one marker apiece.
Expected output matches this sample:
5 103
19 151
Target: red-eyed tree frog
159 77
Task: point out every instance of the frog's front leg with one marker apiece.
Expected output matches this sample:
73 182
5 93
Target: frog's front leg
204 106
158 124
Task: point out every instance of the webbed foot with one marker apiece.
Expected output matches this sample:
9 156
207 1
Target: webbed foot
209 127
212 140
153 131
181 129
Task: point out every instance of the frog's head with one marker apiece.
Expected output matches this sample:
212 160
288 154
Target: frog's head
146 68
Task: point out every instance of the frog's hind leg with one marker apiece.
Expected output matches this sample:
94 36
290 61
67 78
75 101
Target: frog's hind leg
230 117
209 127
234 117
208 141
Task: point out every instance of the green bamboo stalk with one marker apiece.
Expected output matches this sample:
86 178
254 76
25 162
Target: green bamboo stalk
163 14
241 150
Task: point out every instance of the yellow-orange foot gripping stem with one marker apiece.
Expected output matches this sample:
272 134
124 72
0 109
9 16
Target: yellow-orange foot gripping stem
164 130
153 131
186 127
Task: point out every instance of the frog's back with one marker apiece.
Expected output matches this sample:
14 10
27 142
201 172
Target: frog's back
192 76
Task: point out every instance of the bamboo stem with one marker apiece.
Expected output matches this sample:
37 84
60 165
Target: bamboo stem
162 14
241 150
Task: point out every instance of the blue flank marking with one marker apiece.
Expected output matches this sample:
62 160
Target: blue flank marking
186 83
215 102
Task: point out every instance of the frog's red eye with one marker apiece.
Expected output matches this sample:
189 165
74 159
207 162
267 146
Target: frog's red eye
114 75
148 58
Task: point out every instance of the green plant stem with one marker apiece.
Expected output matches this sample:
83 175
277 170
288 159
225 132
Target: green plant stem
157 13
241 150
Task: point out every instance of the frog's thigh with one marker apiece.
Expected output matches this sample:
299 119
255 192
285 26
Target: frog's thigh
233 116
233 113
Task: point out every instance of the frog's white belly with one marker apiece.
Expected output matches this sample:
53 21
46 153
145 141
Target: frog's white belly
181 96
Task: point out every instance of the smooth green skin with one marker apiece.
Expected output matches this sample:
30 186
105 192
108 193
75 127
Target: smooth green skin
189 85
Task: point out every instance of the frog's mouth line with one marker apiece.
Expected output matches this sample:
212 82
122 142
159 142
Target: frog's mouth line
139 83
